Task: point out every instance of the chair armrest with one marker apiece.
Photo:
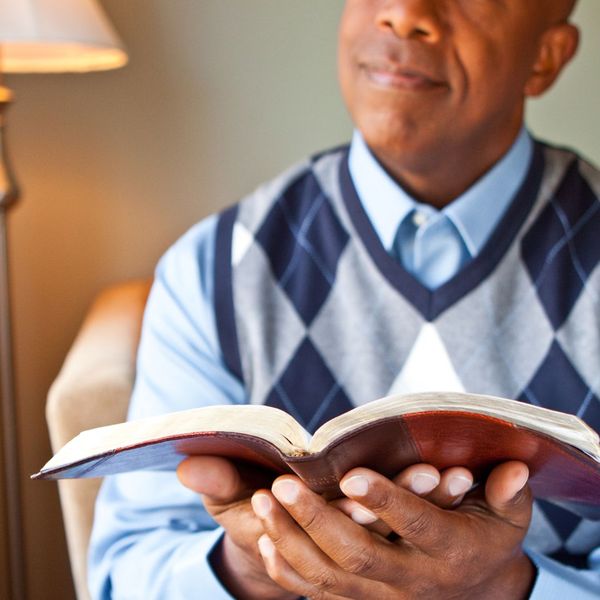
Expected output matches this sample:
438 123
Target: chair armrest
91 390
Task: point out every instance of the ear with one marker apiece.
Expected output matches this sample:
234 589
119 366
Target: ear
558 45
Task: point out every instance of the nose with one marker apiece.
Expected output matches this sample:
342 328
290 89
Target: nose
411 19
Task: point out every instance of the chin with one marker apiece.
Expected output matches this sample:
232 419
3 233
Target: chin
391 137
402 147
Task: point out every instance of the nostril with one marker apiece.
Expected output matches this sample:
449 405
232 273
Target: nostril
409 32
411 20
386 24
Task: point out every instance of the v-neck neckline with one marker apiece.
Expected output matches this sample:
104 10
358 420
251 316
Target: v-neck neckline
432 303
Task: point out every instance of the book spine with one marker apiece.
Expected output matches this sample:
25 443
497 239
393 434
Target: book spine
385 447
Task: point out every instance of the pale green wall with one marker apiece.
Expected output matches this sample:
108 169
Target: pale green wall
219 95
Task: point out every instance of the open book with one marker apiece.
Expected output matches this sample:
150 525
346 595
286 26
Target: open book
442 429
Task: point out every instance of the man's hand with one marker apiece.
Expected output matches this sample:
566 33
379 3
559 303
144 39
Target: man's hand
473 551
226 492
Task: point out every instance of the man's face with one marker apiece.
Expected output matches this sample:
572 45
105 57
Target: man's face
424 78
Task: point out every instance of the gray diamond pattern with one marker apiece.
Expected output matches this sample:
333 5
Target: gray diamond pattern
518 334
580 342
387 321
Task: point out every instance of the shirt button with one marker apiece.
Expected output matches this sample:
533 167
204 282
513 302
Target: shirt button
184 525
419 218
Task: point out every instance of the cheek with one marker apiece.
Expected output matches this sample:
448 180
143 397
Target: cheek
491 70
493 85
354 34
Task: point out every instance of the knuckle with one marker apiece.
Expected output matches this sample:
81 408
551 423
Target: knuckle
276 537
415 526
364 563
382 503
324 580
311 521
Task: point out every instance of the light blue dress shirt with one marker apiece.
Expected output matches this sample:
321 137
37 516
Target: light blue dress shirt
152 539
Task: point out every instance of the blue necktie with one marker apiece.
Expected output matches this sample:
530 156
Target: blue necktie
430 247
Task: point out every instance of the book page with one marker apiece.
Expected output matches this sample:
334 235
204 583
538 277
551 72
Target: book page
563 427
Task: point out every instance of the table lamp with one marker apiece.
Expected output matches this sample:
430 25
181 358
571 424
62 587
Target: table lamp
36 36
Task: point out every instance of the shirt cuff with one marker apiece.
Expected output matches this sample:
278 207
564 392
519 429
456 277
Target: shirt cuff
193 574
556 581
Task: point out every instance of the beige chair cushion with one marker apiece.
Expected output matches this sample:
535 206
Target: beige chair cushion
93 389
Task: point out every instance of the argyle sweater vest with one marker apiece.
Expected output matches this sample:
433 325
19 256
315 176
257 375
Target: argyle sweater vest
315 317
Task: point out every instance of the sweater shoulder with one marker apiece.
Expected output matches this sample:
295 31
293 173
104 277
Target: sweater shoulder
314 175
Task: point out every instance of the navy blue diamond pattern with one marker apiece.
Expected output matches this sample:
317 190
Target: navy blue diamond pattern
308 391
563 521
303 240
590 412
562 247
558 385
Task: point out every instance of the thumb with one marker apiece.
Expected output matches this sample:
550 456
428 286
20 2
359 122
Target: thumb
507 493
215 478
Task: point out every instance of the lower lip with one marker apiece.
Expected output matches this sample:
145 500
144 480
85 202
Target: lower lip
396 81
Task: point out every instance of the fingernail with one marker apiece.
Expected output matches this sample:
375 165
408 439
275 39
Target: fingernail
286 491
520 481
459 485
261 505
362 516
355 486
423 483
266 546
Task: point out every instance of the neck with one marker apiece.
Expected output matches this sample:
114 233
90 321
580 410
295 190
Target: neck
448 172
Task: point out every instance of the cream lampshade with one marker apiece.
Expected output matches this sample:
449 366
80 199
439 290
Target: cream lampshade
36 36
54 36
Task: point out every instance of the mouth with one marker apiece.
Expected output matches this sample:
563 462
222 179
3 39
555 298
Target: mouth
395 76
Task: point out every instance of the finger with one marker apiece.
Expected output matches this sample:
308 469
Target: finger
362 516
507 493
355 511
351 547
444 490
281 573
414 519
455 482
216 478
301 552
421 479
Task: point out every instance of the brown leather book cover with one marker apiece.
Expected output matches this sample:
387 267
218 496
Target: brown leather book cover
559 472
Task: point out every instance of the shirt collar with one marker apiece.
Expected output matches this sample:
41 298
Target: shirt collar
475 213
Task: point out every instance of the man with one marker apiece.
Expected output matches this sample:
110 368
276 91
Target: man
444 250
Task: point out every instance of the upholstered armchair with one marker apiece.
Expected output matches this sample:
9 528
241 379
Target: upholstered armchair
93 389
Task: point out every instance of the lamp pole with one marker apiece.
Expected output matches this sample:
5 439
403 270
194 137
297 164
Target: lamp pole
49 36
9 195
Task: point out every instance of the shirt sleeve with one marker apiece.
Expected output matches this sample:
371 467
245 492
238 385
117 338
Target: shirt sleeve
556 581
152 537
